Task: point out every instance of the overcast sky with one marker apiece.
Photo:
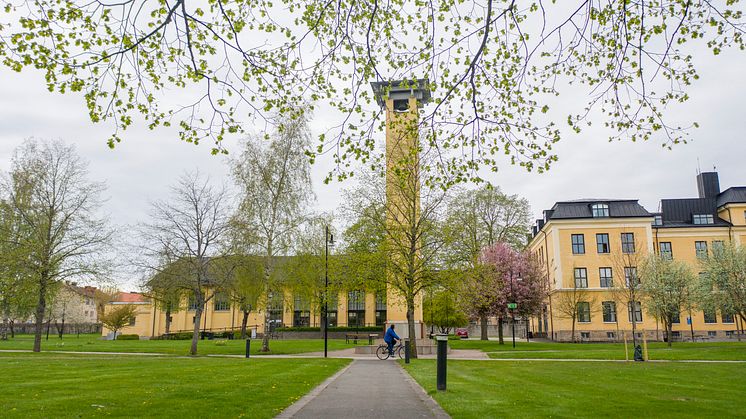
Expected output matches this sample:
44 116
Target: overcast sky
143 166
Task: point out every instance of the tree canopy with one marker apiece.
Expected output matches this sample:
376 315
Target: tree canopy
211 69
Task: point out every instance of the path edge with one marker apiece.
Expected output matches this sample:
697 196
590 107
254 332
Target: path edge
436 410
303 401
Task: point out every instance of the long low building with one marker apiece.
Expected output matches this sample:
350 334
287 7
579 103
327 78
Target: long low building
353 309
586 246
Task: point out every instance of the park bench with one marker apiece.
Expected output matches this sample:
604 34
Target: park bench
355 336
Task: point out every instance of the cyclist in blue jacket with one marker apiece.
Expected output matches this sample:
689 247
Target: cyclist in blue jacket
390 338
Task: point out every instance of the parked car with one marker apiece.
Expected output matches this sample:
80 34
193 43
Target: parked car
462 332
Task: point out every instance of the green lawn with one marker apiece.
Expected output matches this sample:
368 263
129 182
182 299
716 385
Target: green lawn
656 350
93 343
67 386
480 389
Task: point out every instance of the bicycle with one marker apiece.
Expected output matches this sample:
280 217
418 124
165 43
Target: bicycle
382 352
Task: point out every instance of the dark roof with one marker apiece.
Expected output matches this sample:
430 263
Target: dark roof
582 209
679 212
731 195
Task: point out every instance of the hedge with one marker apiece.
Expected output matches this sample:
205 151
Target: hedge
128 337
331 329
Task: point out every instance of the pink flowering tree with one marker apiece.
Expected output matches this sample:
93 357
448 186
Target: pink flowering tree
503 275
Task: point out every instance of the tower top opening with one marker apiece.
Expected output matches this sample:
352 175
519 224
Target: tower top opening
400 91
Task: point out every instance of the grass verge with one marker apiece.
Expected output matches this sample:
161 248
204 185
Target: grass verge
93 343
479 389
67 386
722 351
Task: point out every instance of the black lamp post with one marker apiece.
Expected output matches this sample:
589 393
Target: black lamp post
328 241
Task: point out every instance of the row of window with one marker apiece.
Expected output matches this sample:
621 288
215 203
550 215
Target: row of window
700 248
605 277
608 309
602 243
302 308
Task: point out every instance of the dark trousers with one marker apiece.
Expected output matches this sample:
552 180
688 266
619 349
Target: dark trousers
391 347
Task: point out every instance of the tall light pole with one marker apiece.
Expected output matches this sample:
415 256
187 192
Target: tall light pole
512 307
328 241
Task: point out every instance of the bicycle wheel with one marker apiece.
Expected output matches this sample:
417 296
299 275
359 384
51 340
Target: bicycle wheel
400 352
382 352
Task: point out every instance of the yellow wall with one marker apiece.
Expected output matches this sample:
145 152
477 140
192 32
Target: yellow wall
555 252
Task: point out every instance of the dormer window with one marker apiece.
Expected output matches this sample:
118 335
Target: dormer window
658 220
600 210
703 219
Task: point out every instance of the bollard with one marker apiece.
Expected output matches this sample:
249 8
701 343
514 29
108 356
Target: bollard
442 360
406 351
248 347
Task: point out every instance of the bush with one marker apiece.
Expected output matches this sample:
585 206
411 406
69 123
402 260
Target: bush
128 337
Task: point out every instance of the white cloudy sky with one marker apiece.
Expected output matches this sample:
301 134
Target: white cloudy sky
147 162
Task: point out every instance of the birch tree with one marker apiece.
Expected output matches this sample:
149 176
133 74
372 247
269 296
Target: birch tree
64 238
275 187
186 242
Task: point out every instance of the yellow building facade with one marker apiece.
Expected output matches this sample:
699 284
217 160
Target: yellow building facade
589 247
353 309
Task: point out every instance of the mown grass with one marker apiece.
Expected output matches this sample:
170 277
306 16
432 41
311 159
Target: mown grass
483 389
94 343
69 386
613 351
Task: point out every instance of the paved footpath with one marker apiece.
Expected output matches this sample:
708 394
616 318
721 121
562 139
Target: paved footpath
367 389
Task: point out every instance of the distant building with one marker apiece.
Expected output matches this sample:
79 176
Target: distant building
593 243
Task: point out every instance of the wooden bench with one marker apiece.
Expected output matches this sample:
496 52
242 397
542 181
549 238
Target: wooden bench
355 336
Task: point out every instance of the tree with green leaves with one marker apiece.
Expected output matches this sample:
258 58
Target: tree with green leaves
666 289
165 293
64 238
274 181
409 225
118 317
479 218
246 287
441 309
212 69
723 284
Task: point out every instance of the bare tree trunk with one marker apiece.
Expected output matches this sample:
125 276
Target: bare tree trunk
691 324
572 333
500 331
195 333
4 329
411 330
41 307
244 322
12 329
669 331
168 319
483 327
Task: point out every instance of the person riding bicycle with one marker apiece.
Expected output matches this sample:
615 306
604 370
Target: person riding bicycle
391 338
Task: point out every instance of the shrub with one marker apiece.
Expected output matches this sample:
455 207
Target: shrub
128 337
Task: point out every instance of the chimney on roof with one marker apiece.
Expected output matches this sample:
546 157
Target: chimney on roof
708 184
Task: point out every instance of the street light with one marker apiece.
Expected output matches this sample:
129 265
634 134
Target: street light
328 241
512 306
